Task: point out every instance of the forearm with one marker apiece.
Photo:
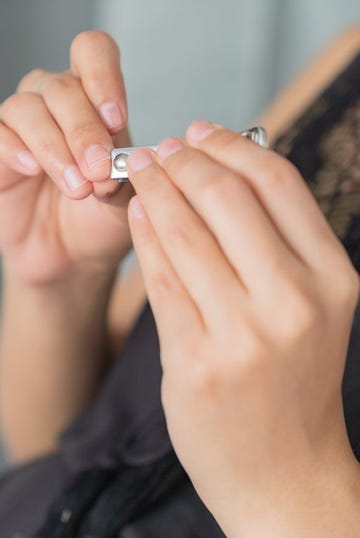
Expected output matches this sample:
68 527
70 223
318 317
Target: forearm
53 352
327 505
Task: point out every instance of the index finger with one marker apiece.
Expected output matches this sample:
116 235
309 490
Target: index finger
95 59
278 185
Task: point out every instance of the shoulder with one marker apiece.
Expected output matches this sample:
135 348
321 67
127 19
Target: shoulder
294 99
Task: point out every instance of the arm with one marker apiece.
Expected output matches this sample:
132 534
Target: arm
63 231
253 335
53 354
129 293
306 481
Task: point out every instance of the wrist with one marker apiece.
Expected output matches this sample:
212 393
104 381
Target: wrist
90 280
76 305
54 342
325 503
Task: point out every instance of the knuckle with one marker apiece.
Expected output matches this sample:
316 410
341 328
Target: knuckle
279 172
343 279
225 139
9 105
59 83
182 162
250 370
303 314
220 190
36 73
278 267
80 134
43 147
349 284
162 283
214 379
179 236
204 378
29 78
191 347
245 366
13 104
107 195
217 184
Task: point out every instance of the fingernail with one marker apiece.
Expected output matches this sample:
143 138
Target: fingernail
73 177
169 147
96 155
136 207
139 159
28 161
198 130
112 115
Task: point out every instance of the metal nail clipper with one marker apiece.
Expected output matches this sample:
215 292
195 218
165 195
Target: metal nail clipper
119 156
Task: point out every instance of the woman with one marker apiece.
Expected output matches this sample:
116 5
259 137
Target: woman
253 295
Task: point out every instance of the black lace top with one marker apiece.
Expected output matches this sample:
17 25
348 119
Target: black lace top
325 145
114 474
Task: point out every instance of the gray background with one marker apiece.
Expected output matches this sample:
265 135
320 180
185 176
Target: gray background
216 60
38 33
183 59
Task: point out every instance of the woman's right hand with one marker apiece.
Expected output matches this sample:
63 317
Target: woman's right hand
59 211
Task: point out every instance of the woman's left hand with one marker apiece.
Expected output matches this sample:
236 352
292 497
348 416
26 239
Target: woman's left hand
253 297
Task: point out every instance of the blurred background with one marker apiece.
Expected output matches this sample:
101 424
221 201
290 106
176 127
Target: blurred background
182 59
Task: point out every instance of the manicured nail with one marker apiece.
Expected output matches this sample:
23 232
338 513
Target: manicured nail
96 156
73 177
28 161
198 130
137 208
169 147
112 115
139 159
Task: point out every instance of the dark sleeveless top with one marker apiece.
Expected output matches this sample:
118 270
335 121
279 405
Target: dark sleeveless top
126 422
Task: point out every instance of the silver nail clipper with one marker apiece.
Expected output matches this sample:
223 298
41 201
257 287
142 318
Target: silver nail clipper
119 156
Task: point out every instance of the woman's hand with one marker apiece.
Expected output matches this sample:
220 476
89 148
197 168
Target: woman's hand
63 231
253 297
55 137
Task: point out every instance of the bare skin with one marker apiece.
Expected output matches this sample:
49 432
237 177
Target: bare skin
63 232
288 105
253 297
36 407
307 481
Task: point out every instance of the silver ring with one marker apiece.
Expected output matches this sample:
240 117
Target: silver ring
119 156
